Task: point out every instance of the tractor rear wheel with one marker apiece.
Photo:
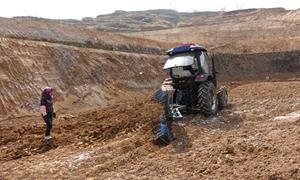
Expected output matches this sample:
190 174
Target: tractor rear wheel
207 98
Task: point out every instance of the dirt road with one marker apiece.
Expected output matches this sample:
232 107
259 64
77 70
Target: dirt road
256 137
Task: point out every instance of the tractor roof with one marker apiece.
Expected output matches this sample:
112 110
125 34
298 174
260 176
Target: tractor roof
185 48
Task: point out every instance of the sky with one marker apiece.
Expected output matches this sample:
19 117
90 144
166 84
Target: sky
77 9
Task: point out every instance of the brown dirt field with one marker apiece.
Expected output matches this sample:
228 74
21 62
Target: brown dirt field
255 138
106 118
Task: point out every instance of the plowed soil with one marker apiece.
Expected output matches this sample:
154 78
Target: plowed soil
256 137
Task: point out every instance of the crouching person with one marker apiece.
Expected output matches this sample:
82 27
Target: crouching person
47 111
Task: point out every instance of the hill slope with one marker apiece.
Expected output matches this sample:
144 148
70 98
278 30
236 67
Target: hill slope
80 76
244 31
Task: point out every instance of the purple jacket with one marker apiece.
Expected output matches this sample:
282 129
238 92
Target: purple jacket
46 99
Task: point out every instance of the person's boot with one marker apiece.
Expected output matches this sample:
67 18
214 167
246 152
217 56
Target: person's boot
48 140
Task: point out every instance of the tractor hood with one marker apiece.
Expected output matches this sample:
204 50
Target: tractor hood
179 61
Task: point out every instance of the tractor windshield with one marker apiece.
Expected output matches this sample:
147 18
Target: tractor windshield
180 60
182 65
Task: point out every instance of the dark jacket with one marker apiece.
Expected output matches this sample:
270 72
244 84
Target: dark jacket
46 100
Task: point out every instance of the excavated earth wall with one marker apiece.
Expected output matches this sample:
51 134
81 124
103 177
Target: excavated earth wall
258 66
90 78
81 76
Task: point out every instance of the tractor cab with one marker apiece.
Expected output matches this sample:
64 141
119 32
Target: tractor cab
189 63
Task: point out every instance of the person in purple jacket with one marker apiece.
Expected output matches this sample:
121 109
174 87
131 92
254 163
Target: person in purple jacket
47 111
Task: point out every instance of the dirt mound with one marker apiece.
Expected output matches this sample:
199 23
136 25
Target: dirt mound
244 140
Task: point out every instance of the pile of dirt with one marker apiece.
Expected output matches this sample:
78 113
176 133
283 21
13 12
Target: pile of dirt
244 141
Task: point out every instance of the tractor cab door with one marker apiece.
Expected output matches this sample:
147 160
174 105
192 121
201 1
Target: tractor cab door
195 65
204 63
211 68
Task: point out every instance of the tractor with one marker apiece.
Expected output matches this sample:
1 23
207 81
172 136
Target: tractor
190 88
